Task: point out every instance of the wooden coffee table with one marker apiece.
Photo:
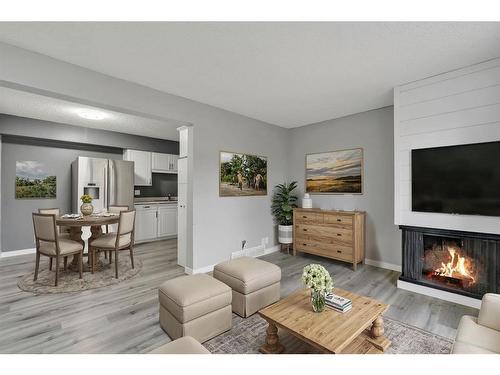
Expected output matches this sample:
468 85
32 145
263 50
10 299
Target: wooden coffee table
358 331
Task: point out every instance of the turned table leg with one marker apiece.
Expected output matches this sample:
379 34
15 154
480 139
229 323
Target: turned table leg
377 335
377 329
272 345
75 233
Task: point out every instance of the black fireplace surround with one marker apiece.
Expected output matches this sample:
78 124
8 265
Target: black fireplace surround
434 257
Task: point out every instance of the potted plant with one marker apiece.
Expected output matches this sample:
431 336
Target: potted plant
283 203
86 208
317 278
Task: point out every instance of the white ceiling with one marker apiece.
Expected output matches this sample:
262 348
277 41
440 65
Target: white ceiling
25 104
288 74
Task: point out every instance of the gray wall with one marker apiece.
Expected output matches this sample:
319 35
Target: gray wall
373 131
17 227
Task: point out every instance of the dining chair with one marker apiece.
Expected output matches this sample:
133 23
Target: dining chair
123 239
50 244
63 231
113 209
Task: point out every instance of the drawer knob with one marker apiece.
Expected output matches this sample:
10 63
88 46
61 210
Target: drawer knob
304 217
339 251
305 230
338 234
304 244
339 219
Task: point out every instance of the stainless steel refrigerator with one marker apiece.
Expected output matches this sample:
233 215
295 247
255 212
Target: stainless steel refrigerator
107 181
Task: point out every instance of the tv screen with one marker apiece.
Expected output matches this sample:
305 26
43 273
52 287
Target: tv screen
462 179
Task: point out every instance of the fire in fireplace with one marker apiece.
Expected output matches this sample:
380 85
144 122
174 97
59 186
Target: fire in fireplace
460 262
445 262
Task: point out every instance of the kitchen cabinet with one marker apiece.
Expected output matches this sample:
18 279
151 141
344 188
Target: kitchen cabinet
164 163
146 222
167 220
155 221
142 166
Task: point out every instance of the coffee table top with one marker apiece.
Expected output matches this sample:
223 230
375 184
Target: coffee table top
329 330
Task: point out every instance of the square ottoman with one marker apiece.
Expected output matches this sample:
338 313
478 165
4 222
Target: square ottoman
195 305
255 283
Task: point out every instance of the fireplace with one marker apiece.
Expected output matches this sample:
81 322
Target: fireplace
459 262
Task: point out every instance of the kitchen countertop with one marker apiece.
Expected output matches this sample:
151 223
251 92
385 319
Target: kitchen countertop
155 200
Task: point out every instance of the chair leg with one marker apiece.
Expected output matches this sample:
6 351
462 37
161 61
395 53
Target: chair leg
110 257
65 263
57 270
132 256
37 265
105 255
50 264
116 264
80 265
91 259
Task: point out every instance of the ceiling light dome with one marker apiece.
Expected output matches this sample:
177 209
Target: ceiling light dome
91 114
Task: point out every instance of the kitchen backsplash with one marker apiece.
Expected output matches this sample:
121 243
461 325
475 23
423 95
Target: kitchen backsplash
163 184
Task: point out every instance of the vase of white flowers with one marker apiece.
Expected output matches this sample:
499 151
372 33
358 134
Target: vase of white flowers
317 278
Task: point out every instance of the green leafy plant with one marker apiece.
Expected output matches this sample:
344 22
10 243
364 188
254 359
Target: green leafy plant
85 198
283 203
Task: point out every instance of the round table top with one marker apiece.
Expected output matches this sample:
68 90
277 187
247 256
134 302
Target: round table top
84 221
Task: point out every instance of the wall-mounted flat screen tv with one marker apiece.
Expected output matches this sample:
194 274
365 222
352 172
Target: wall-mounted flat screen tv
463 179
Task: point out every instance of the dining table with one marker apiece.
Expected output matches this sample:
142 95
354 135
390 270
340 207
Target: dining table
75 225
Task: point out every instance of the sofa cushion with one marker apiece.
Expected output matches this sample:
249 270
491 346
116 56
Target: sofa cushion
108 241
489 315
183 345
465 348
189 297
246 275
65 247
470 332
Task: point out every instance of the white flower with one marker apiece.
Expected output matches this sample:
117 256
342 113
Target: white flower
316 277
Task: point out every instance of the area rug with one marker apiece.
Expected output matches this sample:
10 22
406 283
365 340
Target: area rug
247 336
69 281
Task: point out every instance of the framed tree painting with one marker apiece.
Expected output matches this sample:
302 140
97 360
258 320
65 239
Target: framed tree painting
242 175
33 181
335 172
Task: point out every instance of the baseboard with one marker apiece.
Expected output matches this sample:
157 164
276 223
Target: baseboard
210 268
379 264
6 254
441 294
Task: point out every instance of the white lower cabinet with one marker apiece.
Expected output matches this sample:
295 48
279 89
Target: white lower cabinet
155 221
167 220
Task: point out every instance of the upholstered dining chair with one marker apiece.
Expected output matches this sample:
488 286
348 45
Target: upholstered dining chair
63 231
116 209
123 239
50 244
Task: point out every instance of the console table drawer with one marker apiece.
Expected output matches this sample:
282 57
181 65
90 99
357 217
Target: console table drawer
338 219
337 252
309 217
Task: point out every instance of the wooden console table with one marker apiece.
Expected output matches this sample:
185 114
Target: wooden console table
336 235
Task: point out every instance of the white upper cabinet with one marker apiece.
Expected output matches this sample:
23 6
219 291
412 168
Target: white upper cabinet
142 166
164 163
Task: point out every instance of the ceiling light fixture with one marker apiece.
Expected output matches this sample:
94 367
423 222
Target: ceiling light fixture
91 114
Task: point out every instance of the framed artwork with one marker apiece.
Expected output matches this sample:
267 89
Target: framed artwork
33 182
335 172
242 175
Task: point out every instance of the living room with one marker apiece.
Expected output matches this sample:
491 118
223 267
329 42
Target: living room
294 187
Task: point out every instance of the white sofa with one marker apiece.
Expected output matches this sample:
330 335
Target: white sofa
480 335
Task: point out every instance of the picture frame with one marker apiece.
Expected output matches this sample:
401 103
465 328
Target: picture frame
242 174
335 172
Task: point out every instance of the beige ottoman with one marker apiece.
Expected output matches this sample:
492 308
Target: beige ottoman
255 283
184 345
195 305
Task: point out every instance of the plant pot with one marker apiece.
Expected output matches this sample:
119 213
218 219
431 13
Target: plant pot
285 234
86 209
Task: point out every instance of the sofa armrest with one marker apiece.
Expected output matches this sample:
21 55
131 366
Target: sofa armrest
489 315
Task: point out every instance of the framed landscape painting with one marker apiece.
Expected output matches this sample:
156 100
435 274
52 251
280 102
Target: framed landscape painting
335 172
33 182
242 175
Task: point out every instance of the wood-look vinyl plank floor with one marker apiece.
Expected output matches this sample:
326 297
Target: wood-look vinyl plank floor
123 318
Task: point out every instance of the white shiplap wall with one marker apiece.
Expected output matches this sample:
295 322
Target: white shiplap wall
458 107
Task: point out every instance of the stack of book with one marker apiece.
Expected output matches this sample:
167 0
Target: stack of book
338 303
